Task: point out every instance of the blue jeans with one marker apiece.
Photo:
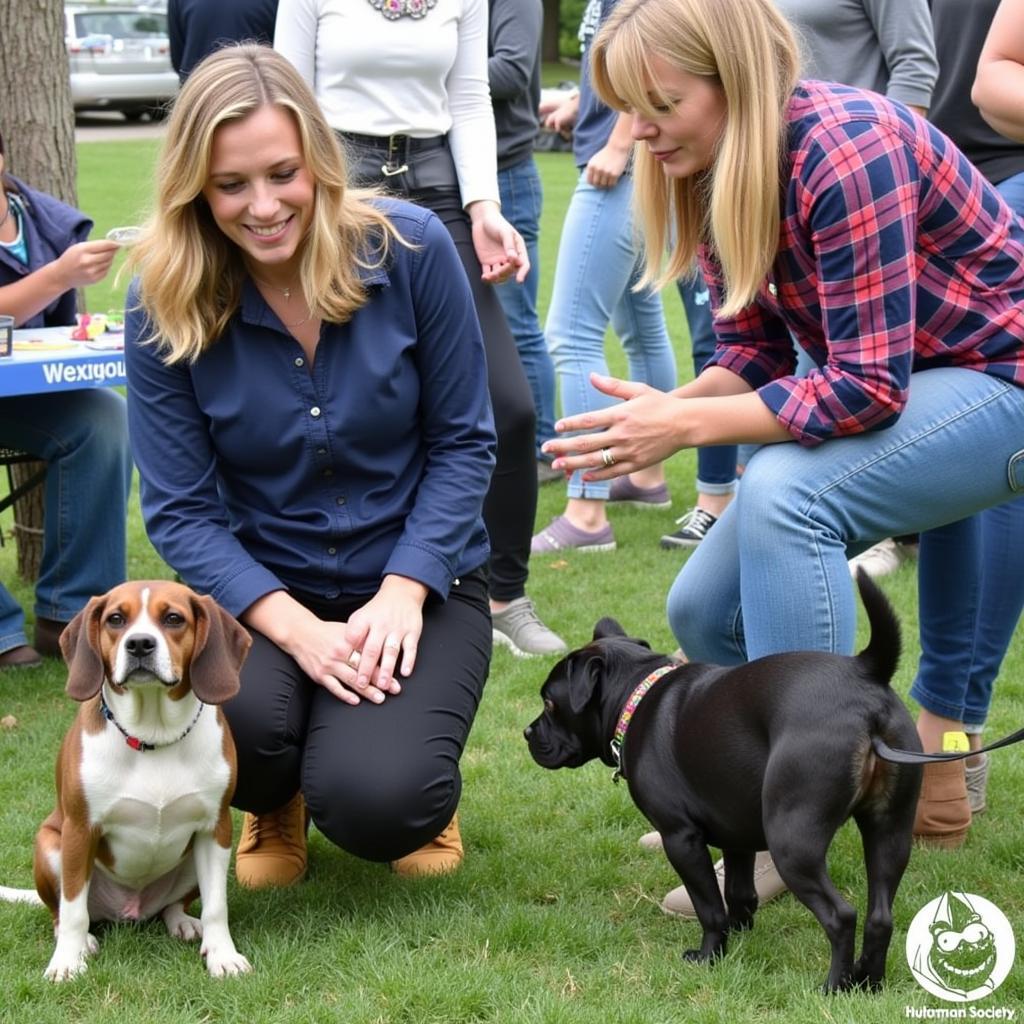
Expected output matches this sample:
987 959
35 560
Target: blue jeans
521 201
970 594
716 464
598 264
83 438
772 575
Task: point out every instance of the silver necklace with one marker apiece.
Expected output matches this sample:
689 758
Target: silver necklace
286 292
395 9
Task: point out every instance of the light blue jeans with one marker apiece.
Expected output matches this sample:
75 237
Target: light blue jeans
716 464
83 438
970 594
772 575
598 264
521 201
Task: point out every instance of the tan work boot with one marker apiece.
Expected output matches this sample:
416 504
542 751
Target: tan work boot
943 813
272 849
439 857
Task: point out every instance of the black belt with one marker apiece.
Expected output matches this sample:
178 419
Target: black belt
395 149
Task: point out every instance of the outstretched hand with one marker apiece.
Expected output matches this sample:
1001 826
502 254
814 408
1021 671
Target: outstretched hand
636 432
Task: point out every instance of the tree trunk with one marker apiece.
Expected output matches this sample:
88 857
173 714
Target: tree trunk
549 37
38 127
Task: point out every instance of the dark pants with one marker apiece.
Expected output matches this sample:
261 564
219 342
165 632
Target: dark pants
380 780
511 503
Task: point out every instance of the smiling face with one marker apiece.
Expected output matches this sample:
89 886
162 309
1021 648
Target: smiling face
684 121
260 191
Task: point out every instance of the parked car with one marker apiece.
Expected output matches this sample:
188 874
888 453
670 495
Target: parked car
120 58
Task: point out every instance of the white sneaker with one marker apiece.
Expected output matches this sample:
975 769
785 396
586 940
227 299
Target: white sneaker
883 558
768 884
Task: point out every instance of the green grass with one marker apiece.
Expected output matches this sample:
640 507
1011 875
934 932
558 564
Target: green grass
554 918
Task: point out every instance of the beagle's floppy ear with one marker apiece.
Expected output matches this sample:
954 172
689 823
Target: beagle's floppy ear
221 646
80 645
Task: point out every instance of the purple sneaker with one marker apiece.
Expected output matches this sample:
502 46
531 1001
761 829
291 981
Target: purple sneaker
625 492
561 535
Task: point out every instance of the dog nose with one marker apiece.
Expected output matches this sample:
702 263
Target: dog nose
140 646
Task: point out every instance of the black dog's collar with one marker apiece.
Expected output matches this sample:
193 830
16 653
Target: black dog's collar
619 737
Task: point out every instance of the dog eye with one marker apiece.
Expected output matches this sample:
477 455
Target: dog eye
549 705
115 620
174 619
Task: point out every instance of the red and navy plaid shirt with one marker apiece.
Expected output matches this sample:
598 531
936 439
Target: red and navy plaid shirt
895 255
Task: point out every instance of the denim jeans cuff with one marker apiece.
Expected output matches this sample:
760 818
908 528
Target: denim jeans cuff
973 728
936 705
12 640
703 487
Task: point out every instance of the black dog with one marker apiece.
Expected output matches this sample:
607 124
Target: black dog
775 754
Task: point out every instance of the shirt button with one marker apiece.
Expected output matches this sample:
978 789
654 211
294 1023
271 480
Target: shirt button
321 451
332 551
328 472
299 361
315 411
340 501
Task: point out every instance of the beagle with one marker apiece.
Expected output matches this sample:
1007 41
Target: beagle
144 776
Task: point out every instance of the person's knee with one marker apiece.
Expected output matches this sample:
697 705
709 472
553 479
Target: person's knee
382 820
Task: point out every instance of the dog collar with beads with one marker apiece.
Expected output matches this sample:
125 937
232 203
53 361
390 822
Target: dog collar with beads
133 741
626 717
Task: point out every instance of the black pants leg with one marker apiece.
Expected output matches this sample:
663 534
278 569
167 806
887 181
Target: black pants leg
511 503
380 780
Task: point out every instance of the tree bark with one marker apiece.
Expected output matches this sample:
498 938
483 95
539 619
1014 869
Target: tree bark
549 36
38 126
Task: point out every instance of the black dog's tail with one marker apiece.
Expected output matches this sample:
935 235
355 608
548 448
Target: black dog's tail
882 653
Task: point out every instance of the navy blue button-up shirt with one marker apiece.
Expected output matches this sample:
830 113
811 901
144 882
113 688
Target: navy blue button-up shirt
260 472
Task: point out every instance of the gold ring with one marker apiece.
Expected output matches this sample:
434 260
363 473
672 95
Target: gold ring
353 659
607 459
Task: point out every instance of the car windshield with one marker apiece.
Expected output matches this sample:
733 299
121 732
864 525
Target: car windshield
121 24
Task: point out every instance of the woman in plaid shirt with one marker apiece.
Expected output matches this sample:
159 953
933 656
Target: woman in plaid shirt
840 218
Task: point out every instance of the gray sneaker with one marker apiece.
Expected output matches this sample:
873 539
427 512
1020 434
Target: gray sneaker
520 630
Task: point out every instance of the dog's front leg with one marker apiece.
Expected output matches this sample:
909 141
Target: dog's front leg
688 854
211 860
74 943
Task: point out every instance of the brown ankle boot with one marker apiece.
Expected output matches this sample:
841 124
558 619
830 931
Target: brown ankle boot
272 849
439 857
943 813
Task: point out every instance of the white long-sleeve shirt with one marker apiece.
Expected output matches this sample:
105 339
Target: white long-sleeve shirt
421 77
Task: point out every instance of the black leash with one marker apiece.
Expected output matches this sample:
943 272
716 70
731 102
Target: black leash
887 753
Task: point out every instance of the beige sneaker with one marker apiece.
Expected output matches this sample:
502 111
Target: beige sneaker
651 841
440 856
272 849
976 776
767 884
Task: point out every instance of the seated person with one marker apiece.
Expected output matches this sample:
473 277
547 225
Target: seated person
81 435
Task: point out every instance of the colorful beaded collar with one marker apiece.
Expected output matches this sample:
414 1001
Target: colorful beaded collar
627 716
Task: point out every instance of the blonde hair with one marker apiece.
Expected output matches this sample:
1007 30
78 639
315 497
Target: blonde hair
751 52
190 273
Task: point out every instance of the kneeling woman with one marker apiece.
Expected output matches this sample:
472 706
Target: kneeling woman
308 410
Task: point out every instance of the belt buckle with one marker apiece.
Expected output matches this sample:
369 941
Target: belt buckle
388 169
